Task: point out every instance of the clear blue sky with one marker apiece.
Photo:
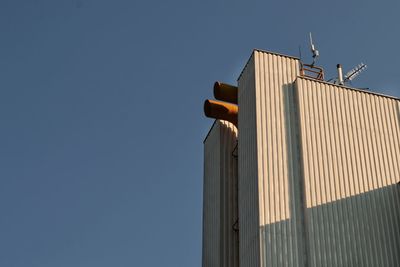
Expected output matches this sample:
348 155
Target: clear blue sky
101 114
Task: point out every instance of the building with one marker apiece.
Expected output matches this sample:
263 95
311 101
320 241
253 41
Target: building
309 177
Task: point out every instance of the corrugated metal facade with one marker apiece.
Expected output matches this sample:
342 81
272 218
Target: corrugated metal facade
248 173
318 174
269 194
220 210
351 156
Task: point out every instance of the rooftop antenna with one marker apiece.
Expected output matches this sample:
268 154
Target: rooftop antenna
310 70
352 74
314 51
300 52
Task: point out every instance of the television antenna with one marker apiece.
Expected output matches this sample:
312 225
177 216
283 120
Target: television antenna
314 51
350 75
353 73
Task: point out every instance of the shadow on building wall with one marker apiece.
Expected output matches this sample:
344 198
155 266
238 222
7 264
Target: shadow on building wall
362 230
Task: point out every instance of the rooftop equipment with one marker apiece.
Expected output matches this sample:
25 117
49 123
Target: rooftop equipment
226 92
340 74
349 76
352 74
227 110
310 70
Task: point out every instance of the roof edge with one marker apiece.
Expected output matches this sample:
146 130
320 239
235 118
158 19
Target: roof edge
209 131
267 52
274 53
348 88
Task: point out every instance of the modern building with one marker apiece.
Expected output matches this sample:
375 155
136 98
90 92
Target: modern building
309 176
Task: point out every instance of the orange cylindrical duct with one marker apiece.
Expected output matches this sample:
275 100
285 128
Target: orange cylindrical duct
226 92
221 110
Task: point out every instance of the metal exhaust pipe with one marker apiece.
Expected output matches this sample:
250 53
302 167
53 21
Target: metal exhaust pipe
226 92
221 111
340 74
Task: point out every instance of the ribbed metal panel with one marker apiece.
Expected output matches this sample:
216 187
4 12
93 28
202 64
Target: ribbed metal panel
318 174
211 198
220 210
269 191
249 247
350 149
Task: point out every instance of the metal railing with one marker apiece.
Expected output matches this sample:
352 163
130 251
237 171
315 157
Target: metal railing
312 71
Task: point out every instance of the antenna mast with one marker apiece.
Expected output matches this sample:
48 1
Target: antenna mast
310 70
355 72
314 51
350 75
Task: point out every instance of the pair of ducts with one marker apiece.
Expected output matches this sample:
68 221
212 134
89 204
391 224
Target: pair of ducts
225 109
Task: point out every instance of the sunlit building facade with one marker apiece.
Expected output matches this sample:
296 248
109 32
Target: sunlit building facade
309 177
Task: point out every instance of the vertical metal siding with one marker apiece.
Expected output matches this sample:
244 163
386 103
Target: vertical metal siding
269 194
318 173
350 150
220 240
249 251
211 198
229 189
